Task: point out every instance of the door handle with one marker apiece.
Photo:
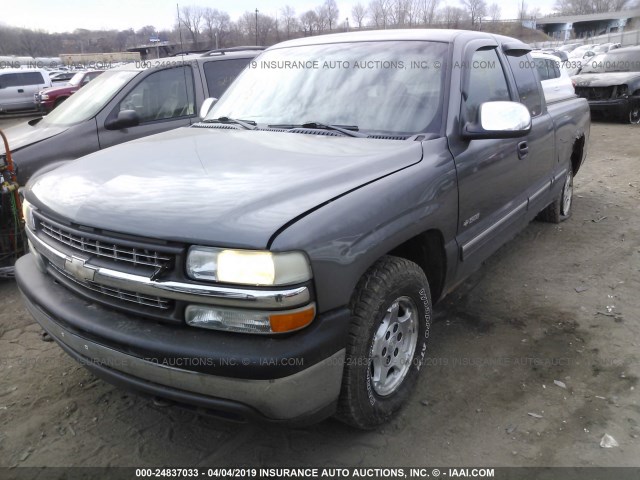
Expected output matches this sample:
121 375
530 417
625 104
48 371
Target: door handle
20 90
523 150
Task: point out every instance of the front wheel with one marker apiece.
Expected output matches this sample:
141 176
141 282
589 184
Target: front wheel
59 102
391 319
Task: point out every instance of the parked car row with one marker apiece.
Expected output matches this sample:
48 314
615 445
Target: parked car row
122 104
280 258
611 84
607 75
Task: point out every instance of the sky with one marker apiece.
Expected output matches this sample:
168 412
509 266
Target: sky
118 14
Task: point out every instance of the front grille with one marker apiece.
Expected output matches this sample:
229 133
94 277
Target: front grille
595 93
127 296
107 250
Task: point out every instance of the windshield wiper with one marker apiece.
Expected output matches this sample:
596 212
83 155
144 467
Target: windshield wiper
246 124
349 130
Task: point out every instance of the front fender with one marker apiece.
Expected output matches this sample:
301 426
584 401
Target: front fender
346 236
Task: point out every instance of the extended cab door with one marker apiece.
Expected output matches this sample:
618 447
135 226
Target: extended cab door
493 174
541 140
164 99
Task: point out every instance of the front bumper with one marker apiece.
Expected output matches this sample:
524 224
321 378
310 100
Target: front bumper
42 105
291 378
613 108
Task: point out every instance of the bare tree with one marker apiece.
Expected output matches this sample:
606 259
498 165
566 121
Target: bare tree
321 18
309 19
428 10
359 13
331 12
582 7
216 24
522 10
289 18
494 12
191 18
476 9
33 42
453 16
379 11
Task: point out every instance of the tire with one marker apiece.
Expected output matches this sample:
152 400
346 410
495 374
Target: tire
58 102
560 209
634 114
372 391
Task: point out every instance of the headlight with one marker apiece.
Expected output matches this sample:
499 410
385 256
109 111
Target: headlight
44 96
247 267
622 91
27 214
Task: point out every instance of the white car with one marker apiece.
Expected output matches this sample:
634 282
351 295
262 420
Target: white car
556 82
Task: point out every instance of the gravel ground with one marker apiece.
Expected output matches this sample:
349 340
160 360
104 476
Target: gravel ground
549 326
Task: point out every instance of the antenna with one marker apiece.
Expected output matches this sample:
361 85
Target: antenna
184 70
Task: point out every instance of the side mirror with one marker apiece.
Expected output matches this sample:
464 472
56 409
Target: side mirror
499 120
206 106
125 119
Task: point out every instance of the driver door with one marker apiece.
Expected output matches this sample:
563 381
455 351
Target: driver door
163 100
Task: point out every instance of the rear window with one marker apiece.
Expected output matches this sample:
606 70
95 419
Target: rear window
547 69
527 84
20 79
221 73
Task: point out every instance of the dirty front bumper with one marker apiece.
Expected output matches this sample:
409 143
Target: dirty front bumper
292 378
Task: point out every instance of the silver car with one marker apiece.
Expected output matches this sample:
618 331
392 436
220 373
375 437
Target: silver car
18 87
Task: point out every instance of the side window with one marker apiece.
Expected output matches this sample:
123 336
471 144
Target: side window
527 84
487 82
221 73
161 95
542 65
11 80
31 78
556 70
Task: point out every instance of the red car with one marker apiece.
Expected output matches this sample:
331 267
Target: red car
49 98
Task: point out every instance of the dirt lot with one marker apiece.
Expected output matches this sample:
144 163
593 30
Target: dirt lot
559 303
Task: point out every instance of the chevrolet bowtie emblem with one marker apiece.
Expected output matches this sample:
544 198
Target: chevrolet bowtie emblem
76 267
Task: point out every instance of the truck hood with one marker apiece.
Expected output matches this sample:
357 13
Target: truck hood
61 89
24 134
215 187
605 79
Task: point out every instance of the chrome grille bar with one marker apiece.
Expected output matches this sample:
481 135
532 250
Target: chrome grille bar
125 295
136 257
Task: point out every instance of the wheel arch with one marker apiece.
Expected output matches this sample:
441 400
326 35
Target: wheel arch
577 154
428 252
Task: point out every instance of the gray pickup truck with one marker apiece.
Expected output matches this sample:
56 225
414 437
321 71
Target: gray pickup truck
280 258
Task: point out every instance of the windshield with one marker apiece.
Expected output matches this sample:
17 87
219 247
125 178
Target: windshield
615 61
76 79
393 87
89 100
